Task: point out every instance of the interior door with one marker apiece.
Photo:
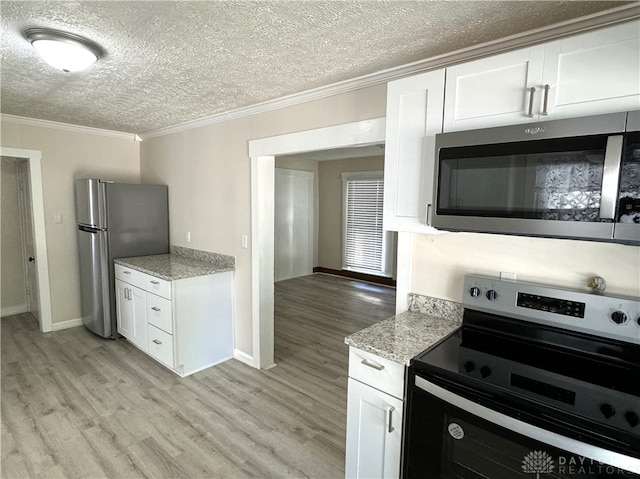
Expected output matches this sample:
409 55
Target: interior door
293 227
26 220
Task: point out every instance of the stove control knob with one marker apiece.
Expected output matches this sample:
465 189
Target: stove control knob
474 292
619 317
485 371
469 366
607 411
632 418
492 294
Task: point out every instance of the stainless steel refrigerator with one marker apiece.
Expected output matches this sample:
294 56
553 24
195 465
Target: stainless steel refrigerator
115 220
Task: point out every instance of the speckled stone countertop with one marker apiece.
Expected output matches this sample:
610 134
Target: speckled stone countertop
407 334
180 264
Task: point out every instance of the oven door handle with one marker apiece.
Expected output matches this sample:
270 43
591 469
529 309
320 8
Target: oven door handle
533 432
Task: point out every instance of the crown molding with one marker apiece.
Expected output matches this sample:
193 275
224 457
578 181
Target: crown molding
20 120
611 17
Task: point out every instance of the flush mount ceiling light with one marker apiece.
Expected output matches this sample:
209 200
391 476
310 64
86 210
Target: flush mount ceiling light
62 50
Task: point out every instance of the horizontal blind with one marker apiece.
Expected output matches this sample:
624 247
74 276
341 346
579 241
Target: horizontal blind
364 241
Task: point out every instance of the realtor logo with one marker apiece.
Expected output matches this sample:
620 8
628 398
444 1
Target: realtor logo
537 462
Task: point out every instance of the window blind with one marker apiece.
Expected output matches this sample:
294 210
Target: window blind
364 236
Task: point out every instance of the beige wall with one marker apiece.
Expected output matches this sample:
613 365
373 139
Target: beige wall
12 287
331 221
208 173
441 261
67 155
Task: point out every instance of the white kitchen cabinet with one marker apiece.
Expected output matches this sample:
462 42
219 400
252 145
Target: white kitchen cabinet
186 324
375 407
587 74
131 304
493 91
593 73
414 116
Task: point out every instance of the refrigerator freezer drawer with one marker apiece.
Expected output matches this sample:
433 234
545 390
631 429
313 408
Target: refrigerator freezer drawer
145 281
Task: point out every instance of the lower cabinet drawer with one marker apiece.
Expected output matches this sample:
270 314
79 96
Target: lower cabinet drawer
159 312
161 345
380 373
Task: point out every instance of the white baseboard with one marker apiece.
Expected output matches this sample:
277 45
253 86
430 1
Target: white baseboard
11 310
244 358
71 323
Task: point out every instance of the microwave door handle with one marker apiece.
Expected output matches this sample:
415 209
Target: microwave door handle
610 177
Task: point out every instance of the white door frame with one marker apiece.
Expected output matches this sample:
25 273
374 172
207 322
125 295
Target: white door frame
263 153
34 158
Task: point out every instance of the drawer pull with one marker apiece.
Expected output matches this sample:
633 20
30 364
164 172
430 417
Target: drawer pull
126 272
390 422
155 282
155 308
157 341
366 362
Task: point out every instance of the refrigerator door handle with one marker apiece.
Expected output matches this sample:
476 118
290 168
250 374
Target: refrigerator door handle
88 229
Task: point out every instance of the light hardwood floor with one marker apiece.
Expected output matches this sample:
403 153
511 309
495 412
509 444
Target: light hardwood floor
75 405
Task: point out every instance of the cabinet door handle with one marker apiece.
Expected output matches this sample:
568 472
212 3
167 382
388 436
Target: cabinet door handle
390 420
155 282
157 341
546 100
427 220
155 308
126 293
366 362
532 91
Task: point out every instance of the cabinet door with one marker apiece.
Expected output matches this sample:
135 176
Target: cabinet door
374 433
124 309
414 116
594 73
139 299
494 91
131 311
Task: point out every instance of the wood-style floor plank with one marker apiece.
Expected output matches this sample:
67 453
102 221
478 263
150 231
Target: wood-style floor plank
74 405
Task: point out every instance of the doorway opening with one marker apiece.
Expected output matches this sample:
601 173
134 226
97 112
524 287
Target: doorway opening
263 153
26 255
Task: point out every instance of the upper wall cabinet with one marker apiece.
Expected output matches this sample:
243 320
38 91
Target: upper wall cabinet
414 116
593 73
499 90
588 74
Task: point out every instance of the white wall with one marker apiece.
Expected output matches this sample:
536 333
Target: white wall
208 173
12 286
441 261
67 155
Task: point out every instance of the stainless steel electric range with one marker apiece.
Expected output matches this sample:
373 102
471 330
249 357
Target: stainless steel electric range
538 382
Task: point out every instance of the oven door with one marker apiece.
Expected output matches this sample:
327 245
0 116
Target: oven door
449 436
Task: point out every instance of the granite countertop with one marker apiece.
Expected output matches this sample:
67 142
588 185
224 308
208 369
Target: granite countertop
403 336
180 264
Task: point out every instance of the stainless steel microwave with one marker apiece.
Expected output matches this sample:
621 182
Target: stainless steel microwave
570 178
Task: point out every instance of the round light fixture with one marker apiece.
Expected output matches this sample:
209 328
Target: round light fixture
62 50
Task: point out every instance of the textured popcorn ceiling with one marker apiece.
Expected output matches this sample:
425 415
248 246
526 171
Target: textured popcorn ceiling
174 61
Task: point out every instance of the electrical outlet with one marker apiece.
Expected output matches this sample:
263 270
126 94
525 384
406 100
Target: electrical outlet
507 276
245 241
